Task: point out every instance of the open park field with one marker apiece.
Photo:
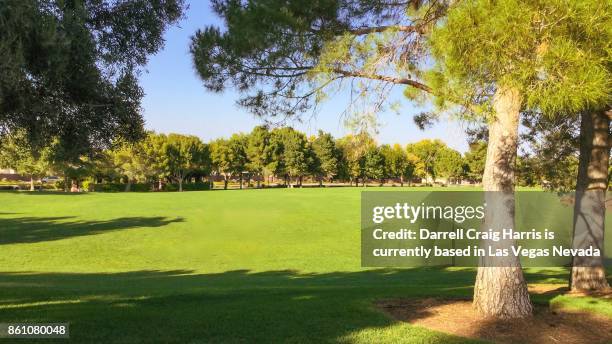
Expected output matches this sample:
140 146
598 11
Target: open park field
279 265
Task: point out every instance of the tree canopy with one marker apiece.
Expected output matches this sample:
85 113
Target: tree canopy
556 54
282 55
69 68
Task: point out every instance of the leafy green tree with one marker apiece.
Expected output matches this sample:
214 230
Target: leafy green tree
427 151
354 148
315 44
296 155
555 143
475 160
275 151
220 157
374 164
237 146
129 163
570 155
448 164
414 167
229 157
257 151
155 159
327 154
19 155
527 171
70 68
397 163
185 154
72 160
498 59
104 168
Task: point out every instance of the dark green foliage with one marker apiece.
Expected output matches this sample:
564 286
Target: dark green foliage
327 155
188 187
374 164
186 155
427 151
555 53
147 187
551 144
257 149
68 69
272 51
475 160
448 164
296 153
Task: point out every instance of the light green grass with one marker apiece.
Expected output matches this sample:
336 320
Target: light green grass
280 265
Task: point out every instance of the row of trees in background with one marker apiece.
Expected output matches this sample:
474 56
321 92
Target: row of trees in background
280 155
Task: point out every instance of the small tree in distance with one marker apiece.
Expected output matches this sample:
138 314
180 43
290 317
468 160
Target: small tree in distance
327 154
17 154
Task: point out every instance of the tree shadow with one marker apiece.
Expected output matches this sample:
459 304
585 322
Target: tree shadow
230 307
39 229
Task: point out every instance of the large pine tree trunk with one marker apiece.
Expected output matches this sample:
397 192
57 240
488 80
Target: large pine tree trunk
588 273
32 188
500 290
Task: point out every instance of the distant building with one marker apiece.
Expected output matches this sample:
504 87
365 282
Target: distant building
7 171
10 174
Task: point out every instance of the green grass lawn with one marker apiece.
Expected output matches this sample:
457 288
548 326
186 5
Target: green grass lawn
280 265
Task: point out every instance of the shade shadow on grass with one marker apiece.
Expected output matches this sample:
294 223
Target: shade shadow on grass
39 229
230 307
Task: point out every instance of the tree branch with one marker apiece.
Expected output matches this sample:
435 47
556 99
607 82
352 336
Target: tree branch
368 30
401 81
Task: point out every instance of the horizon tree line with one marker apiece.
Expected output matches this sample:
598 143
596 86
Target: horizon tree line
276 155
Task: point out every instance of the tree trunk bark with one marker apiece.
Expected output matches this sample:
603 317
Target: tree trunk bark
588 273
32 188
180 180
500 290
128 185
225 181
241 181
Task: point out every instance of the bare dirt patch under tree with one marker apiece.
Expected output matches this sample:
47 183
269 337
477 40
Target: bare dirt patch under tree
458 317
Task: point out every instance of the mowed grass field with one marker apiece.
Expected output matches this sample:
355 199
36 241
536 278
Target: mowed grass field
243 266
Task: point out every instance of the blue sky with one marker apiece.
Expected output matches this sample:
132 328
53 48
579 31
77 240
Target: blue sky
176 101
